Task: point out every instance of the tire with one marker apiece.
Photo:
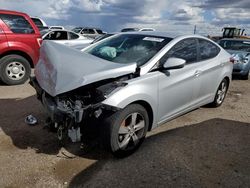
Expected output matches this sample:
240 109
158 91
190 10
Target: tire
125 130
246 76
220 93
14 69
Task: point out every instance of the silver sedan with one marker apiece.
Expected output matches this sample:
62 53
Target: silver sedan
65 37
129 84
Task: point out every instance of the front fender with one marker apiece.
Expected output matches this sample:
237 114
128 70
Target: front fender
143 88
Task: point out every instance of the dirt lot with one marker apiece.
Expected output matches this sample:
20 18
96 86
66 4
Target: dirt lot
205 148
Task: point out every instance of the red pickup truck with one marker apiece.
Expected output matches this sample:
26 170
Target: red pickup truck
20 42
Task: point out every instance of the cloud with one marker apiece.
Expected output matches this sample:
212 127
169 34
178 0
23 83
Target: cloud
113 15
212 4
58 9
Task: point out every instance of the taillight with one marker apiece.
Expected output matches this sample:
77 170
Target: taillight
232 60
39 41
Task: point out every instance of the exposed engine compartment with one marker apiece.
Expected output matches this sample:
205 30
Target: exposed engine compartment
68 112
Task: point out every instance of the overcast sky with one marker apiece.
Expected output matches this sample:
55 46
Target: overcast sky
164 15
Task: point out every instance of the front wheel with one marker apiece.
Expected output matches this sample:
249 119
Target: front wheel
220 93
126 130
14 69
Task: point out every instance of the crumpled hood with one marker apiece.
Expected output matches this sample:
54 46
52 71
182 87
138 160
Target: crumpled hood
61 69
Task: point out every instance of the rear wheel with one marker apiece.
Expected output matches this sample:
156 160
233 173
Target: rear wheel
220 93
126 130
14 69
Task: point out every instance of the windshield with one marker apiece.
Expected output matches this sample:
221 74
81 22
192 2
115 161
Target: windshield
129 48
236 45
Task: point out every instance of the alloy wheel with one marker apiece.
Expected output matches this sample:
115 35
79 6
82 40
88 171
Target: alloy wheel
131 131
221 93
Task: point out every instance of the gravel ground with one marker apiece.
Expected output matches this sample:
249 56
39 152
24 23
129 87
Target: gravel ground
205 148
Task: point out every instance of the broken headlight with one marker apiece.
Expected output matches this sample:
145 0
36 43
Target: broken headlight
110 88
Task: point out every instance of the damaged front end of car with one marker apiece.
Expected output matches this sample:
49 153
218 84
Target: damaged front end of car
71 107
70 111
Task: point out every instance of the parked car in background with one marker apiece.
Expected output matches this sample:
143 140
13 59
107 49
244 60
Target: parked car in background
147 29
20 42
65 37
56 27
40 23
240 50
129 84
88 31
97 39
130 29
136 29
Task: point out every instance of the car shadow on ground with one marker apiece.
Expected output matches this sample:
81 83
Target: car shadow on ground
212 153
38 137
23 136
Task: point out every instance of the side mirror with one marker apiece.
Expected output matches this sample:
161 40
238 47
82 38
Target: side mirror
174 63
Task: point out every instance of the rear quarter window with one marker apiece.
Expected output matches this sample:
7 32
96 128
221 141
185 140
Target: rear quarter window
17 24
73 36
37 22
207 49
99 31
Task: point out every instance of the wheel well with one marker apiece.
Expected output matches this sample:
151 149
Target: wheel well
228 80
149 110
21 53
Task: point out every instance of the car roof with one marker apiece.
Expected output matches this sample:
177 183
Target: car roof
87 28
150 33
60 30
177 36
2 11
130 28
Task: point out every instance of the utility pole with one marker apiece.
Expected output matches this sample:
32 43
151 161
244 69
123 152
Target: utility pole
194 29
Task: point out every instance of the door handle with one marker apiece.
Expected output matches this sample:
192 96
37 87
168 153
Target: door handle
197 73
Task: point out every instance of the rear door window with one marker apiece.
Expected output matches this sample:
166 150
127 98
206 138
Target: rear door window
207 49
185 49
17 24
57 35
